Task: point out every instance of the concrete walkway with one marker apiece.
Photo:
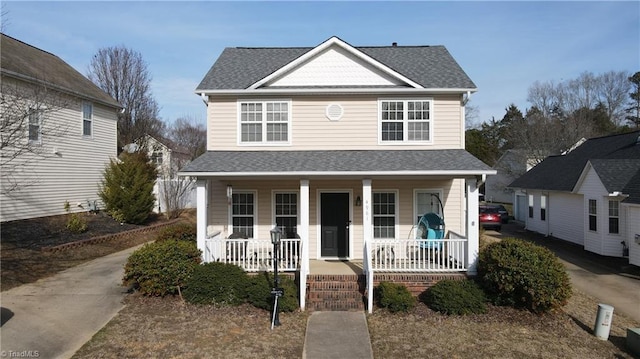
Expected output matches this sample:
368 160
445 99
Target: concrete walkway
337 335
55 316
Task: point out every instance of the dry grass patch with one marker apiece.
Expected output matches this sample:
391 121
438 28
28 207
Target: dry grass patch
501 333
169 328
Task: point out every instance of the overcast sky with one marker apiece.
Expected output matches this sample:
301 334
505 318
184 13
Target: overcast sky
503 46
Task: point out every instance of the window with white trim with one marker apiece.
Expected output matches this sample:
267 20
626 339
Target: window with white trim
243 213
156 155
35 125
87 119
593 215
286 214
543 208
264 121
384 215
427 202
530 206
404 121
614 216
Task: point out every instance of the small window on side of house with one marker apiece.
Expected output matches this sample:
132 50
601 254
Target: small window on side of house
543 208
87 119
593 215
614 216
35 125
530 206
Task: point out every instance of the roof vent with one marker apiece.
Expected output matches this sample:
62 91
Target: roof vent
394 44
334 112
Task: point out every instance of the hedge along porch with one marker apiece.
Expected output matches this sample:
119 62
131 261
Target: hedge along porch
338 218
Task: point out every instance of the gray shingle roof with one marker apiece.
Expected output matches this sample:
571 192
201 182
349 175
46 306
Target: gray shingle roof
614 158
430 66
23 61
325 162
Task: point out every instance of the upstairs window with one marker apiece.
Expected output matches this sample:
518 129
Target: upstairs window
264 121
593 215
87 119
614 217
405 121
156 156
35 125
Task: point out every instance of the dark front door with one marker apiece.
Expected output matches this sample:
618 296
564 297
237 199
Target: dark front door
334 219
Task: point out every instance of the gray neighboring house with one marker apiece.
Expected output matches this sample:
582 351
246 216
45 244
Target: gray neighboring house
589 196
69 126
342 148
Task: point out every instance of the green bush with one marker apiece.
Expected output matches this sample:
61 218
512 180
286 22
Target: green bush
160 268
523 275
259 292
217 283
127 188
458 297
179 232
395 297
76 224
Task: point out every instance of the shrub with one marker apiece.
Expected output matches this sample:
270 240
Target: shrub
161 268
178 232
259 292
395 297
458 297
127 187
76 224
523 275
217 283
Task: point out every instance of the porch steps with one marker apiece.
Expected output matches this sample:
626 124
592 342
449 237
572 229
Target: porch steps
336 292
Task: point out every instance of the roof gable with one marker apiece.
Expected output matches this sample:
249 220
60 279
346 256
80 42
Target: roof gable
28 63
335 63
418 67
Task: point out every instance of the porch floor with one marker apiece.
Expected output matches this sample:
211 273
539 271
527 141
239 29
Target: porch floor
335 267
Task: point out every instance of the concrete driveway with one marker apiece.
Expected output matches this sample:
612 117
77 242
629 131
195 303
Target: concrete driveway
612 281
55 316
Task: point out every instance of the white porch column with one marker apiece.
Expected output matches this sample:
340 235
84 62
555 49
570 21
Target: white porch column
201 211
367 224
473 234
303 231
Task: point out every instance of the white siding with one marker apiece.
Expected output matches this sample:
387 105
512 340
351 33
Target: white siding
535 224
565 213
73 174
633 230
357 129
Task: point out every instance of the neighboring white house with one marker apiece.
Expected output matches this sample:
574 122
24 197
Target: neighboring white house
342 148
68 134
589 196
511 165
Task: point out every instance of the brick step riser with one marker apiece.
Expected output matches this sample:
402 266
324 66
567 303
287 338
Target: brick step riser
335 293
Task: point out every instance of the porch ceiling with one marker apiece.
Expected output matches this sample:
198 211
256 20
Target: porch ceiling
372 163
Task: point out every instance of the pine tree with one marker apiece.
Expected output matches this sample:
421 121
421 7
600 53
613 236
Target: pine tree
127 187
634 110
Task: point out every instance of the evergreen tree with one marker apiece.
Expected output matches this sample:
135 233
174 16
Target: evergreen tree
634 110
127 187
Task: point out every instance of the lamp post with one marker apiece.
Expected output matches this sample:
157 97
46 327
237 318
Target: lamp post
277 292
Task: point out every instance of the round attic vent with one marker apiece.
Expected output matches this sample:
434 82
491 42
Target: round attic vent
334 112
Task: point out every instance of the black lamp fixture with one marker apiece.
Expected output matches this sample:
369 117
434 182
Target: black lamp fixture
276 291
358 201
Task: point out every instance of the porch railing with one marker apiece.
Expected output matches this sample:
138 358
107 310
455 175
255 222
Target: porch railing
418 255
253 255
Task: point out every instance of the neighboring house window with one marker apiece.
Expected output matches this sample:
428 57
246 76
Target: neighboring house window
614 217
384 215
35 125
405 120
427 202
593 215
530 206
286 213
156 156
87 119
243 213
264 122
543 208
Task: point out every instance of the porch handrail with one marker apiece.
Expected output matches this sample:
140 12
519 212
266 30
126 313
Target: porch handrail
254 255
368 271
419 255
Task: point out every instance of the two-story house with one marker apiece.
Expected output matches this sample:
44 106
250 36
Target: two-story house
343 149
59 130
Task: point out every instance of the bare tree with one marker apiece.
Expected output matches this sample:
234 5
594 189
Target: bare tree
614 89
25 127
4 17
123 74
191 134
174 192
